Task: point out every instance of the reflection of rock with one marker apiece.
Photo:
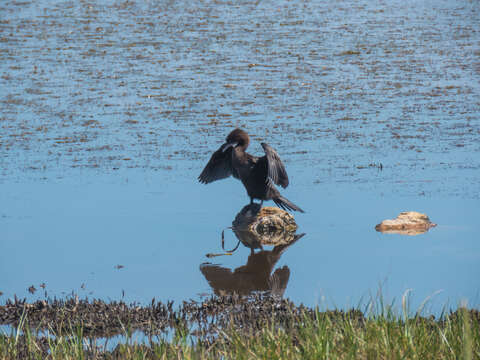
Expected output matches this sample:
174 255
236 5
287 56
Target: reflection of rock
253 276
407 223
255 226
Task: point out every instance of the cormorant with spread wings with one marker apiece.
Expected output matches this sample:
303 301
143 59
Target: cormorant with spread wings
258 174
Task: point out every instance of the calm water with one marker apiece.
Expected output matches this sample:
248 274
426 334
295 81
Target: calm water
71 237
110 110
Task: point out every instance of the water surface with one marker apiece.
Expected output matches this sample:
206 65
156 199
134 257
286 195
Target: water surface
110 110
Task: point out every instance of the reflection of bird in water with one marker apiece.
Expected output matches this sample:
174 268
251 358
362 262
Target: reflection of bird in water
258 174
253 276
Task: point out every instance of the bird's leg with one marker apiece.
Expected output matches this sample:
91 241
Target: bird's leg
261 203
251 201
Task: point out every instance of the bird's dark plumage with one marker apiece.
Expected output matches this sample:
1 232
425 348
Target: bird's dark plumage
258 174
219 166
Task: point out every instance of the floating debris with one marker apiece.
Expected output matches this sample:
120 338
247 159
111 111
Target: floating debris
406 223
211 255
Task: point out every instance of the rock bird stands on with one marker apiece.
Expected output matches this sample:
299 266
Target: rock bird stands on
258 174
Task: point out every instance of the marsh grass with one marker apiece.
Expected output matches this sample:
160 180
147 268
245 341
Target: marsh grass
380 334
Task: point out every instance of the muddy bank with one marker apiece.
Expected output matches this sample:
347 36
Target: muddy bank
101 319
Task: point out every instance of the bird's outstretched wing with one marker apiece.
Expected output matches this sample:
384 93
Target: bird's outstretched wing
219 167
275 168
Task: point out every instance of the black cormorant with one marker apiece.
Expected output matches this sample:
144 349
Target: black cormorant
258 174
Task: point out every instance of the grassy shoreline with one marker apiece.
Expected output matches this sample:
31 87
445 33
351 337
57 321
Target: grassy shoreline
234 328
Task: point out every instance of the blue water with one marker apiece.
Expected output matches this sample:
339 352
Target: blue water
72 236
109 111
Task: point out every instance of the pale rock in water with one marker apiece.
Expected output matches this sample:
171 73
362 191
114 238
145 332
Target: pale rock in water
407 223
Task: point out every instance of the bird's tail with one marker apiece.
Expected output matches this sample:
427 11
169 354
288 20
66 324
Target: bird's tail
286 204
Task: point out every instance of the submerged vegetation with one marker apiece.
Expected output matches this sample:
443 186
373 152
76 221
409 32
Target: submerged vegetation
232 327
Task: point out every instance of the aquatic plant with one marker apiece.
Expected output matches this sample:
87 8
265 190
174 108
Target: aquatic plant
235 327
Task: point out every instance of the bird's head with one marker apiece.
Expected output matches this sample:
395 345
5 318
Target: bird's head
237 138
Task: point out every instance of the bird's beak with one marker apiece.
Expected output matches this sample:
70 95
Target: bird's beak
226 146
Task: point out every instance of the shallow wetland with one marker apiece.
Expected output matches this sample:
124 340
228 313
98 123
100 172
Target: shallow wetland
109 110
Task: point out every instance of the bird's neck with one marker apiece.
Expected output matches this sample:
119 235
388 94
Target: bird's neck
240 162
